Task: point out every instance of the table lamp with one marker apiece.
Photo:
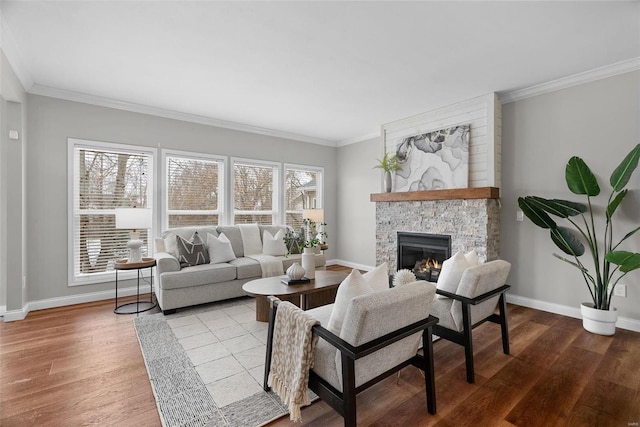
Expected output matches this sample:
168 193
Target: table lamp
134 219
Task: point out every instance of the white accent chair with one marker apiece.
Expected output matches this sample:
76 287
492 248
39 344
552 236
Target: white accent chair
480 290
380 335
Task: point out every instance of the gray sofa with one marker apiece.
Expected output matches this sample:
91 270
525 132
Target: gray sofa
182 287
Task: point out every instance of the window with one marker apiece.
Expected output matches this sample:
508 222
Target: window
104 177
303 190
194 190
255 195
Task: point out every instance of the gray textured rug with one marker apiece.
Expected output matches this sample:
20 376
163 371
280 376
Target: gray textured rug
182 396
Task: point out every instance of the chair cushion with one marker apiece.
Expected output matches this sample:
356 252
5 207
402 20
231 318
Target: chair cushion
324 364
476 281
441 308
373 315
353 285
220 249
378 278
451 273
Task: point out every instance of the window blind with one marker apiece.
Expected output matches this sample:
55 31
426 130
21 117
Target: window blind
104 179
254 193
303 190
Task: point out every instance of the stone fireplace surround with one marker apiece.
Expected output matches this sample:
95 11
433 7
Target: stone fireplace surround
471 218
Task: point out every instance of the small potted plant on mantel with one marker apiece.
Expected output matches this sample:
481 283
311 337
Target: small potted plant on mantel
388 164
610 264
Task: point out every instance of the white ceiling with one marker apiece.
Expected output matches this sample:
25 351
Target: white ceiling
327 72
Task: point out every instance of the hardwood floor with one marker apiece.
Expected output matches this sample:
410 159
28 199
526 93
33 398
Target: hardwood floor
81 365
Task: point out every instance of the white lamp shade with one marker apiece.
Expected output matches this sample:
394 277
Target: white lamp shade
133 218
315 215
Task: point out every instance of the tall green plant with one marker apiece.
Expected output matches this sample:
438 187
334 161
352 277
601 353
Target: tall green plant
610 264
388 163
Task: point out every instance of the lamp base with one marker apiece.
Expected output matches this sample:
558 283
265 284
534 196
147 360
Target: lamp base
134 246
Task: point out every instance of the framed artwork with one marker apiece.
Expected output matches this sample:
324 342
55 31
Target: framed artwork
432 161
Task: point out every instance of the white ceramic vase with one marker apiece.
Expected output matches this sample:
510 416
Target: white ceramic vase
295 271
601 322
309 263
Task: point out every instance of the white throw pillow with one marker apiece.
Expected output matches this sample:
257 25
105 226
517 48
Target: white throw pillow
472 258
352 286
451 273
220 249
378 278
273 245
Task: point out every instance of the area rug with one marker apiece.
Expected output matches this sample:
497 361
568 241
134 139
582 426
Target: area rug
206 366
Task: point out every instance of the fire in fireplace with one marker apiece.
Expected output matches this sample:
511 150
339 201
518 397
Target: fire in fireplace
423 253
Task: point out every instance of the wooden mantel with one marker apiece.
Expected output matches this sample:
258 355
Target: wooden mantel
453 194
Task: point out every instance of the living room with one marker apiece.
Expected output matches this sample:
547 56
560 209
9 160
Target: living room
587 106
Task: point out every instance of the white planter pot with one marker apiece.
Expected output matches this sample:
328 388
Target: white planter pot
309 264
601 322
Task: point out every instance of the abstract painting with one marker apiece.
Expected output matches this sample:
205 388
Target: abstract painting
433 161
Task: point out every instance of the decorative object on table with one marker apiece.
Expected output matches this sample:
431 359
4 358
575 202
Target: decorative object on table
309 262
134 219
403 277
312 217
295 271
388 164
611 264
294 241
433 160
288 281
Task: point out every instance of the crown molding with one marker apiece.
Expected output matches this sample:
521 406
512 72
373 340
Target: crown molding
170 114
353 140
9 47
621 67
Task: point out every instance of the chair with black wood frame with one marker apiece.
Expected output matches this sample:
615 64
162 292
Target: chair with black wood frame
380 335
480 290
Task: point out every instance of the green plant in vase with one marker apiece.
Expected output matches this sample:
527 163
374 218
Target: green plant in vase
609 262
388 164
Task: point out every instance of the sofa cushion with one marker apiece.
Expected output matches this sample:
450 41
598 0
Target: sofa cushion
193 251
273 244
247 268
233 234
220 249
198 275
170 234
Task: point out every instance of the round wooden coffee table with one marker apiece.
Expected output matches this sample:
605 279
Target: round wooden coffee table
322 290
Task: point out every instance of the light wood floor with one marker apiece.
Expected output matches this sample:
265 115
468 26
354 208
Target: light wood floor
81 365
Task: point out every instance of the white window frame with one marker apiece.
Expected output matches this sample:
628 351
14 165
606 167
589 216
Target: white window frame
319 187
222 187
277 199
73 187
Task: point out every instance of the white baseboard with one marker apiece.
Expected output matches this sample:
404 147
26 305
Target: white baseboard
623 322
13 315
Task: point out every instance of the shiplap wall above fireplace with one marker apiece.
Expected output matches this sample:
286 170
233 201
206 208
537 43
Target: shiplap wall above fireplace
484 116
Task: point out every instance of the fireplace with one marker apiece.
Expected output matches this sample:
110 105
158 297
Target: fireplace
423 253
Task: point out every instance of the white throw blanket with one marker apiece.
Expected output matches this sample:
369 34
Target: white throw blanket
292 356
270 265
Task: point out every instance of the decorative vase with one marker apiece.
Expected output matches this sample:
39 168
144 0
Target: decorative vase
601 322
309 263
295 271
387 181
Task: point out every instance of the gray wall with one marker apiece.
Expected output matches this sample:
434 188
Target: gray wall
12 157
52 121
356 215
597 122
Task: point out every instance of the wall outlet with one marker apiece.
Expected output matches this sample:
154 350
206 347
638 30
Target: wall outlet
519 215
620 290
